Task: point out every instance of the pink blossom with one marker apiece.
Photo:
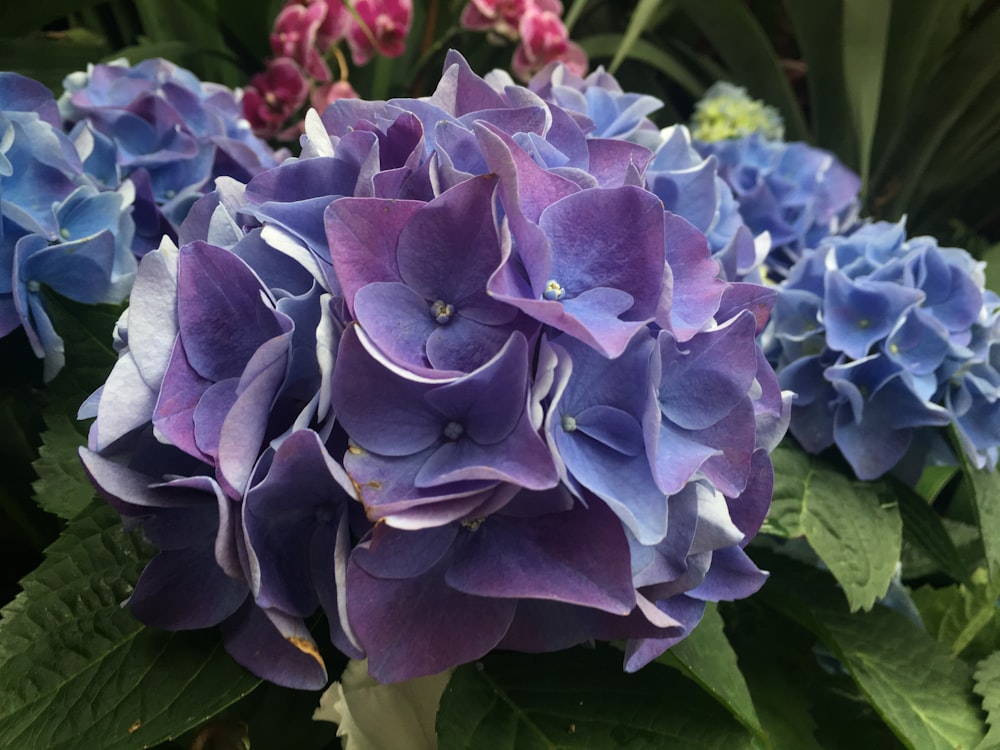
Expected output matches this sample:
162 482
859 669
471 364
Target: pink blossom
324 95
544 39
503 16
387 22
295 36
274 96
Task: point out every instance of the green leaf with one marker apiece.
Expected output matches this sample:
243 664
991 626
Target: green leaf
77 670
963 618
918 688
579 698
604 45
855 531
19 19
49 57
742 44
638 22
706 657
983 489
923 527
865 39
88 333
987 678
819 32
62 487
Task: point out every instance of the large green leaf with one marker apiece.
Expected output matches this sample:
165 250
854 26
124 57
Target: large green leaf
987 678
62 488
920 690
579 699
707 658
851 525
79 671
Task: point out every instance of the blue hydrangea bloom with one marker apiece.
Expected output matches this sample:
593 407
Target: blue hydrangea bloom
157 125
885 339
454 374
797 193
58 229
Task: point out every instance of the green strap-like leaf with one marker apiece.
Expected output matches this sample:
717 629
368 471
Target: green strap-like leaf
638 23
818 31
77 670
707 658
855 531
749 56
920 690
579 698
865 39
987 678
601 45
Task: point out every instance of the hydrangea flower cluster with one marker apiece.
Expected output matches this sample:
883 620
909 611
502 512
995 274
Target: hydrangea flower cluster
886 339
797 193
455 377
61 227
688 184
170 135
305 35
536 26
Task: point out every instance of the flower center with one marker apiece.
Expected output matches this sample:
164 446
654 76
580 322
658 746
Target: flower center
453 431
441 311
33 286
568 423
553 290
472 524
64 233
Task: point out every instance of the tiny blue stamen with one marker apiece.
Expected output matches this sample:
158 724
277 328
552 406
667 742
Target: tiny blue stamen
553 291
568 423
453 431
441 311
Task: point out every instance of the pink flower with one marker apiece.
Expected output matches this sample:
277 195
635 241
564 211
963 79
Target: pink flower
295 36
544 39
274 96
387 22
503 16
324 95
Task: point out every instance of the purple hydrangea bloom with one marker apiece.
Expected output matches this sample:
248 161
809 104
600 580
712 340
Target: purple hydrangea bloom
884 339
797 193
57 229
156 124
454 376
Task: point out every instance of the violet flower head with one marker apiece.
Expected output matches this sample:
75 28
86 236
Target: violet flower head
453 376
157 125
886 339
